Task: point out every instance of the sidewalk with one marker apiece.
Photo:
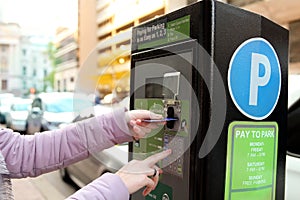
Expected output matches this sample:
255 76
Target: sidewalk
47 186
24 189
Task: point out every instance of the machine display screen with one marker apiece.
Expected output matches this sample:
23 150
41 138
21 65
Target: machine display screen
165 77
154 87
166 87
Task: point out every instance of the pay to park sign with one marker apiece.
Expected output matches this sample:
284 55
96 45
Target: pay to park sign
254 82
251 160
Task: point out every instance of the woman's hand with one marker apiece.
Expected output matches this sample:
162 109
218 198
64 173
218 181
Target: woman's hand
137 174
137 127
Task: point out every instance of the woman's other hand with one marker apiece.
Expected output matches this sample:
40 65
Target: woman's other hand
137 174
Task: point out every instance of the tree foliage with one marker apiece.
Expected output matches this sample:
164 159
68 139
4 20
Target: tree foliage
54 62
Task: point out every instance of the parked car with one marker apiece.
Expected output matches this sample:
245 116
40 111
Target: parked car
85 171
293 153
49 110
292 191
108 160
5 103
17 115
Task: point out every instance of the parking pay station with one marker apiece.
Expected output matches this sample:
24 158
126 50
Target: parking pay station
218 75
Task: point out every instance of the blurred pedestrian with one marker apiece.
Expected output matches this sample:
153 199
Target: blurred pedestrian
32 155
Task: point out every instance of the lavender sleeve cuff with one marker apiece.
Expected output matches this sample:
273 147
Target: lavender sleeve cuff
108 186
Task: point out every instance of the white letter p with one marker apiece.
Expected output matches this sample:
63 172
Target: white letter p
255 79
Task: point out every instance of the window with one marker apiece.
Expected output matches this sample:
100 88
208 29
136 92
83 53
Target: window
103 7
24 84
3 65
295 41
152 15
191 1
24 70
105 22
66 41
103 37
4 48
58 85
105 50
242 2
65 85
124 28
34 72
127 42
4 85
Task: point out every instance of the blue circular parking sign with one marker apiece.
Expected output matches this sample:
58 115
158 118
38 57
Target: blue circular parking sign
254 78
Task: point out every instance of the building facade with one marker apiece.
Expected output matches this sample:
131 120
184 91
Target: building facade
10 36
110 22
107 48
67 61
35 64
285 13
24 61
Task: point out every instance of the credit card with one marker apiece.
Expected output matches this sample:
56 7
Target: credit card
159 120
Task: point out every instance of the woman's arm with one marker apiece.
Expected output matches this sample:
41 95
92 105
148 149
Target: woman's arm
32 155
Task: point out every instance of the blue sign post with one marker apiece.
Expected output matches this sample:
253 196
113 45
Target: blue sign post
254 78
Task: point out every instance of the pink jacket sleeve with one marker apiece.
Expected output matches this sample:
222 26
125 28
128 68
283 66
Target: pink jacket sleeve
32 155
108 186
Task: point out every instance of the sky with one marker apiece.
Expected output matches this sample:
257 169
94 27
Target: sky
40 17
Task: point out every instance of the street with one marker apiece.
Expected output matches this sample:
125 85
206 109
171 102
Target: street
45 187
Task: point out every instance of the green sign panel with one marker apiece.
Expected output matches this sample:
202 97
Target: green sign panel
251 161
163 32
178 29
